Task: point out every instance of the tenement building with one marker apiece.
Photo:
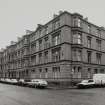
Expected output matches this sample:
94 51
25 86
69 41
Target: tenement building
67 47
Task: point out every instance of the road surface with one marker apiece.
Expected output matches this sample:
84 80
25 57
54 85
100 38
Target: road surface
16 95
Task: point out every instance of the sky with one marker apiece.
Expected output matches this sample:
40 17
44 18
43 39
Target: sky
17 16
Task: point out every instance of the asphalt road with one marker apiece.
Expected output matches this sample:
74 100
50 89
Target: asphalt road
15 95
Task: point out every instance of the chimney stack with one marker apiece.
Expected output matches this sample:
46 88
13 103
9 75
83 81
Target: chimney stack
60 12
55 15
86 18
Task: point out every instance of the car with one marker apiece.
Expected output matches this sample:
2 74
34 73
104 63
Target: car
14 81
37 83
86 84
7 80
22 82
2 80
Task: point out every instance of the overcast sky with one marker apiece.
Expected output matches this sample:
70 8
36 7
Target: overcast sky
16 16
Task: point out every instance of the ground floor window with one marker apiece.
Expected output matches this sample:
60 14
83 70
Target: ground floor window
99 71
89 73
95 71
40 73
76 72
56 72
79 72
102 71
46 72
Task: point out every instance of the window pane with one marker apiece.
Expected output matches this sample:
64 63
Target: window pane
77 38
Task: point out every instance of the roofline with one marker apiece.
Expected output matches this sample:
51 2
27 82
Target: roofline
65 12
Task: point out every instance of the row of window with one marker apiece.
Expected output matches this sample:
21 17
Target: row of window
98 43
36 59
34 47
77 39
89 57
45 30
39 46
77 56
56 72
77 22
77 71
56 39
54 69
41 73
44 57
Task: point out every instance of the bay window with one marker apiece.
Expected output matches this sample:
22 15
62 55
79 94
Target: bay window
76 22
77 37
56 54
77 55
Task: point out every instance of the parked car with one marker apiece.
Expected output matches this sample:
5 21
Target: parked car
14 81
37 83
86 84
2 80
22 82
7 80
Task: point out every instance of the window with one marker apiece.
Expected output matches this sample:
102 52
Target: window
76 22
102 71
98 33
77 55
56 24
26 51
90 81
40 44
46 30
98 44
19 53
79 72
56 38
95 71
40 58
46 72
33 60
26 62
40 70
56 54
40 73
89 42
46 44
33 70
25 41
33 48
89 29
56 72
89 56
77 37
46 57
89 73
19 63
98 58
